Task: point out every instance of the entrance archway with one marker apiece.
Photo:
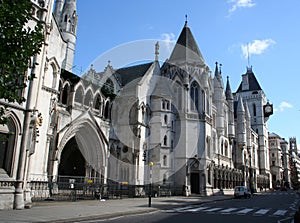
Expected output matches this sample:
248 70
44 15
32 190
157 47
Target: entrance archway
72 162
82 151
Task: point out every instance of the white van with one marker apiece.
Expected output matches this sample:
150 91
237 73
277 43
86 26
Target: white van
241 191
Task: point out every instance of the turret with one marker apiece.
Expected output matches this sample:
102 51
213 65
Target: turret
230 101
219 98
248 124
68 26
241 123
59 4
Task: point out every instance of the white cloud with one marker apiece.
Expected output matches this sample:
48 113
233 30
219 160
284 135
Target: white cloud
240 4
256 47
168 39
283 105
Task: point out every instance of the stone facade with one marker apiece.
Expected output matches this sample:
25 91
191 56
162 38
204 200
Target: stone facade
106 127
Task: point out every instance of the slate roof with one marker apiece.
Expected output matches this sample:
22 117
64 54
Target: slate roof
186 48
128 74
73 78
253 83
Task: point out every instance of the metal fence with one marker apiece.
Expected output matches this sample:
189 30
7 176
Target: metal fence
68 188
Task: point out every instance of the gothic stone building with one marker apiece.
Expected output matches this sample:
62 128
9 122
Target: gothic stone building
106 127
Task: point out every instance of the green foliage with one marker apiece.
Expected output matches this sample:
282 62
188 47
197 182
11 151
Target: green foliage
18 44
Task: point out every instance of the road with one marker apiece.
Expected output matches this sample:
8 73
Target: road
270 207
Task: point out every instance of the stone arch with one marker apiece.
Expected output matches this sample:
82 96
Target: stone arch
8 139
195 96
51 73
65 93
79 94
98 102
91 142
88 98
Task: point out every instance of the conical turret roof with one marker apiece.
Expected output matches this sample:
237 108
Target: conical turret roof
252 83
228 92
186 48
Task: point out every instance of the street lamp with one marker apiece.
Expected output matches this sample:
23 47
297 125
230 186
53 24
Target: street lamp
150 164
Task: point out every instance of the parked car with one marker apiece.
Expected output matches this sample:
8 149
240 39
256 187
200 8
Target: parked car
241 191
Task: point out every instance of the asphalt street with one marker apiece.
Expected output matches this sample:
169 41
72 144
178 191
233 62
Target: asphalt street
270 207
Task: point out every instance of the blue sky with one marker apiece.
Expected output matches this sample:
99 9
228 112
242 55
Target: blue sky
223 30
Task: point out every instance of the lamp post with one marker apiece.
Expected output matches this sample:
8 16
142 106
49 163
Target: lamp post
150 164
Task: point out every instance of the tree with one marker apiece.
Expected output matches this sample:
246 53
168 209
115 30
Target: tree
18 44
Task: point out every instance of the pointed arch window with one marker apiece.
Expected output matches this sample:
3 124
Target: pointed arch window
222 148
163 104
254 109
203 101
165 140
98 102
106 110
79 95
194 94
8 136
168 105
88 98
226 149
65 95
166 119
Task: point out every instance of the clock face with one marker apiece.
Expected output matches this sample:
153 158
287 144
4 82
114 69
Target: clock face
268 109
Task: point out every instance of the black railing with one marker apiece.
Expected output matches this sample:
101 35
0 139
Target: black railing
68 188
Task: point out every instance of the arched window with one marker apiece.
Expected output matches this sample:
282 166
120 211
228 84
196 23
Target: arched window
8 136
203 100
226 149
166 119
163 104
208 146
54 76
168 105
254 109
178 91
194 93
98 102
165 163
106 110
165 140
65 94
79 95
88 98
222 148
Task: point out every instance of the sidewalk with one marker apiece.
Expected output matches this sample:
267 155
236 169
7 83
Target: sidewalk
96 209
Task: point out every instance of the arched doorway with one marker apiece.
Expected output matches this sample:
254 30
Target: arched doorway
7 146
72 162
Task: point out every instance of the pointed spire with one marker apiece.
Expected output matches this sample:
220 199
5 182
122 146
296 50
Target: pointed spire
69 17
156 51
186 48
186 20
228 92
240 106
58 9
247 113
216 69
